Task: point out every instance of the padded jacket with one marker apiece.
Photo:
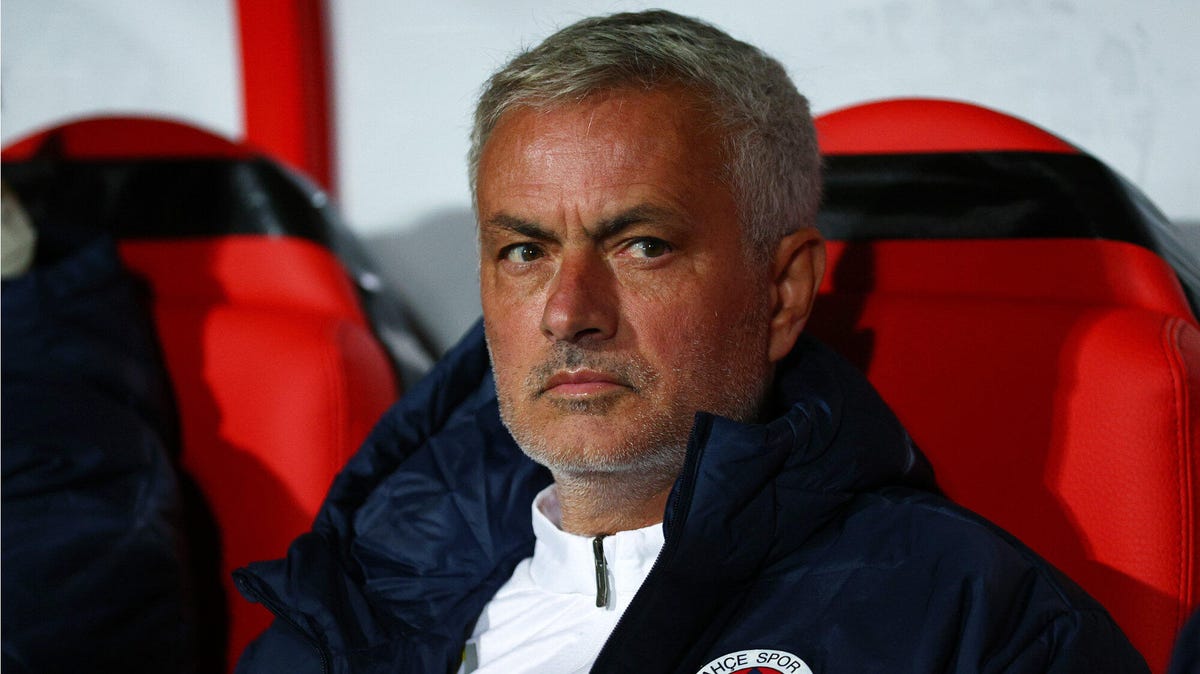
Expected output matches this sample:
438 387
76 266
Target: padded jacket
819 534
95 574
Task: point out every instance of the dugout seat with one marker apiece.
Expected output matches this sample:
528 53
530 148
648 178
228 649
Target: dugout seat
268 317
1026 313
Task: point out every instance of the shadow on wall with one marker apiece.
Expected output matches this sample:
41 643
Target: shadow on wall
1189 231
434 266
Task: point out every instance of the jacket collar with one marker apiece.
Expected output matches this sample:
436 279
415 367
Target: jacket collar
750 492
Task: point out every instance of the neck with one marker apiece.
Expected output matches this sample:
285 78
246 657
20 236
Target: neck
596 504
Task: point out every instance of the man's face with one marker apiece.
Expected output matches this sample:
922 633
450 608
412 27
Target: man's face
618 298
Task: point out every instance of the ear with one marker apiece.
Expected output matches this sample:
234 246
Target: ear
796 275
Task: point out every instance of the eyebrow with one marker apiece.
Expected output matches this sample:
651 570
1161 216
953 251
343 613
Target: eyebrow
606 228
526 228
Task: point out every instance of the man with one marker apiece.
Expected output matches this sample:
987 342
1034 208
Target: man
720 493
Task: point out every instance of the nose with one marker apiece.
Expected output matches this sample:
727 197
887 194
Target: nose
581 304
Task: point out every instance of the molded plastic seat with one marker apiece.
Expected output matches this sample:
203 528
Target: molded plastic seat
276 372
1049 370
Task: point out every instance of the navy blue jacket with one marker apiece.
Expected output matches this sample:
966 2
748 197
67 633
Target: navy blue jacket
819 533
94 572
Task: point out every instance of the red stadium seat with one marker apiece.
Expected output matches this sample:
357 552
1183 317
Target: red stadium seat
278 379
275 369
1001 290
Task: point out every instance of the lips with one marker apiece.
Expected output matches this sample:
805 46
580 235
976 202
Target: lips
582 383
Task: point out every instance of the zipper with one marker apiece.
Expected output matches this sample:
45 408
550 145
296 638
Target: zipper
601 571
251 592
677 506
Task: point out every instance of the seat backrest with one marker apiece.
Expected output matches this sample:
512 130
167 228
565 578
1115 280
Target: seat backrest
276 372
1052 377
277 379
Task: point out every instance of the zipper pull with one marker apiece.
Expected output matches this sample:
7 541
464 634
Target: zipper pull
601 571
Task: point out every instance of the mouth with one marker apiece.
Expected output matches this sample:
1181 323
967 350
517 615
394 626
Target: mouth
582 383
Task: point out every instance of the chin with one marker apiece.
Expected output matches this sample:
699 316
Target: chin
595 446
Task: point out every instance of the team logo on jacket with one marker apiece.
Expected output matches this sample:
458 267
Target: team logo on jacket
756 662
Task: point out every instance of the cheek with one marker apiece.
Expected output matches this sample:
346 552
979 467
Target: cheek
717 328
514 342
670 333
511 314
710 309
510 291
505 370
503 340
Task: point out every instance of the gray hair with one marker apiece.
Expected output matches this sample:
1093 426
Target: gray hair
771 158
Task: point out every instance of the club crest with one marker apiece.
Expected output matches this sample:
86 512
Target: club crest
756 662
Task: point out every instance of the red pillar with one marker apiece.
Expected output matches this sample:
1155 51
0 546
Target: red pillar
286 83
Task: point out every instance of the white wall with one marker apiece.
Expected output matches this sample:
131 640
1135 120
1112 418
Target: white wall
1117 77
69 58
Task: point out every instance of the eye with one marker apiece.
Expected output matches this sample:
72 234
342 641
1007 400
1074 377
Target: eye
649 247
521 253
